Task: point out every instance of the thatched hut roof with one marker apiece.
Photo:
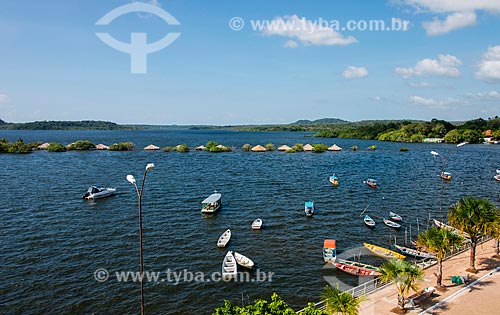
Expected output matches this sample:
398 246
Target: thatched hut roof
151 147
200 148
334 148
220 146
308 147
284 148
258 148
101 146
43 146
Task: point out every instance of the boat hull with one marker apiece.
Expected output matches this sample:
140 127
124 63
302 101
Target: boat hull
351 268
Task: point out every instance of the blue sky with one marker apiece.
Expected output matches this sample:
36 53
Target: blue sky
446 65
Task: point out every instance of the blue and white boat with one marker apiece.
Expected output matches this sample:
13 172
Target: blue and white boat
334 180
309 208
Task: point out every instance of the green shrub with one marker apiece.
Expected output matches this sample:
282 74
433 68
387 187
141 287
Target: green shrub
269 147
56 147
246 147
290 151
181 148
354 148
18 147
404 149
210 145
298 147
167 149
372 147
219 149
81 145
122 146
319 148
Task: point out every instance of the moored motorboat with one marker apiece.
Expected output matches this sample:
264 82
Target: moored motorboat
243 260
257 224
414 252
394 216
94 192
334 180
356 268
224 238
229 267
371 182
329 250
446 176
212 203
309 208
392 224
369 221
383 252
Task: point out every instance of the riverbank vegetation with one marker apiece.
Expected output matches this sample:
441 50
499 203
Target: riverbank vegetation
18 147
65 125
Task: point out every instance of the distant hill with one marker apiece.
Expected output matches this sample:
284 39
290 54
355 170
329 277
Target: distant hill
321 121
65 125
2 122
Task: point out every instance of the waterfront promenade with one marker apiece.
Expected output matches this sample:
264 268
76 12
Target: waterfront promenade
479 297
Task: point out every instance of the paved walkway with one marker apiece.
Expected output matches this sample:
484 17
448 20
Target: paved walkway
467 302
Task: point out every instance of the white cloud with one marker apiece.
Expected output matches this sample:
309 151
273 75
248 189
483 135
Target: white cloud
291 44
306 32
355 72
420 84
443 104
377 98
452 22
3 98
441 6
461 13
445 65
489 67
491 95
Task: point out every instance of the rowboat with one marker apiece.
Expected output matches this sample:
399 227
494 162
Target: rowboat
394 216
369 221
383 252
371 182
309 208
329 250
212 203
229 267
450 228
446 176
224 238
257 224
243 260
414 252
334 180
391 224
356 268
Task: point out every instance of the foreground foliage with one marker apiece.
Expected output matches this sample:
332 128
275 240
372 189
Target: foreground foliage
405 276
341 302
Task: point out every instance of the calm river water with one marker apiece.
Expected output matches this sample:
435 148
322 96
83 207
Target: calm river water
52 241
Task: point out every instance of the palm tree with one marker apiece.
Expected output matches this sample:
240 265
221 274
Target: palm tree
439 242
475 217
404 275
341 302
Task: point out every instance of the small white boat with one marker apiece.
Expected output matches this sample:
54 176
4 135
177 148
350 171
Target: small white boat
212 203
257 224
94 192
334 180
414 252
229 267
450 228
309 208
371 182
369 221
243 260
394 216
498 171
497 177
391 224
224 238
329 250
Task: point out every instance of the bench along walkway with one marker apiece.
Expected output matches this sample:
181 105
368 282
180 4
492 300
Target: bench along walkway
385 299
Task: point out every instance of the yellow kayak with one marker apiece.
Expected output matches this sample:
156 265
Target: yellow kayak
383 252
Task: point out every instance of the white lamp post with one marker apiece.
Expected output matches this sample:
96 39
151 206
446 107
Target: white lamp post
444 159
131 179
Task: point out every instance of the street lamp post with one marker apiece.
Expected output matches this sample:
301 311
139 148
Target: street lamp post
444 159
131 179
